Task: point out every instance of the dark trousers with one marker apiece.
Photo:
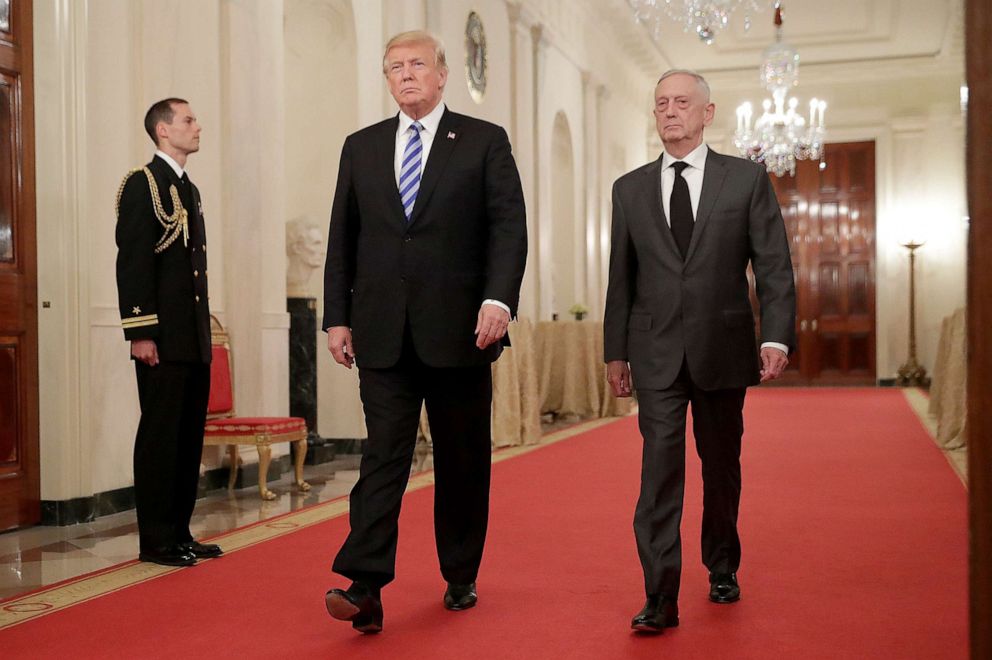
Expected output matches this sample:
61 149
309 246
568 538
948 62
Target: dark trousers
458 409
167 449
718 424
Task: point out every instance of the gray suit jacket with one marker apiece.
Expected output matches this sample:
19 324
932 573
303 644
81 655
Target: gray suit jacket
659 308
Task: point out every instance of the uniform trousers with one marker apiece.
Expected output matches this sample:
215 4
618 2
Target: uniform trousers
168 448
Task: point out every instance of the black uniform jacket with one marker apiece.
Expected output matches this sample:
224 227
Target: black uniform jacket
163 296
466 241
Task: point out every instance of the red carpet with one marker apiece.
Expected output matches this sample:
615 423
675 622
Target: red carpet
853 526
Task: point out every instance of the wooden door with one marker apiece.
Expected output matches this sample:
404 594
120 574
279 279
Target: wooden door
830 217
19 485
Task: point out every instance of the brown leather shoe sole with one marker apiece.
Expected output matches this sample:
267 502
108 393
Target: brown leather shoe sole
339 607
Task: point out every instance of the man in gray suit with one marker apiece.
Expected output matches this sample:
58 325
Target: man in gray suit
678 315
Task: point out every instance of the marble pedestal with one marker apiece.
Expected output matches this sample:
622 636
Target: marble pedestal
303 374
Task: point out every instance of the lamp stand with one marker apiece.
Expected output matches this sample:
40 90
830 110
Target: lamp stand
912 373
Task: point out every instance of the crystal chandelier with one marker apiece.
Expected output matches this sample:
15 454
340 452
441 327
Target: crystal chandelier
703 17
781 135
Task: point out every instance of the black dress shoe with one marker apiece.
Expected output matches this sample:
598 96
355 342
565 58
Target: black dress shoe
724 588
168 556
360 604
657 614
460 596
202 550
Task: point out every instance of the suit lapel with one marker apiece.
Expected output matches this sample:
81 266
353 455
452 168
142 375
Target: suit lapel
713 176
658 217
448 134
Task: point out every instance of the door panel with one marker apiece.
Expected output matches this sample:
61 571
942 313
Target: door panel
19 470
9 430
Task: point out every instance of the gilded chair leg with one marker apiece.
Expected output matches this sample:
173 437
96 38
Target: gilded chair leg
301 455
232 477
264 459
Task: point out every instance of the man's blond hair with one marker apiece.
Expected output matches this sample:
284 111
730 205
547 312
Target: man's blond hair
416 38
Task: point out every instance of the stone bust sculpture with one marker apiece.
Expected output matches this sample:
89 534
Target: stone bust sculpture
305 253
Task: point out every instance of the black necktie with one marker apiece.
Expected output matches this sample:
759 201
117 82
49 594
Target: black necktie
680 210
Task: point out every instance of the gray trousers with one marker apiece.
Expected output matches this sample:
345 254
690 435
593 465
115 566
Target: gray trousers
718 425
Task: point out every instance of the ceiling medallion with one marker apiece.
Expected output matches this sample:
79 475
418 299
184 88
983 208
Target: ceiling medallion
476 61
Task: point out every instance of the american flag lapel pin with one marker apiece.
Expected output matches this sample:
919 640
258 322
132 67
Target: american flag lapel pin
451 135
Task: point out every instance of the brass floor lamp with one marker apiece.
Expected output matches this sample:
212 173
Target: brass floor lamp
912 373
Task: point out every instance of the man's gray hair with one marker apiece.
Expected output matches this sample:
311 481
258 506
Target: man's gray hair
703 85
417 37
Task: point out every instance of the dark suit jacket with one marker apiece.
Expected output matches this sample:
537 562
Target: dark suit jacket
659 308
162 296
466 242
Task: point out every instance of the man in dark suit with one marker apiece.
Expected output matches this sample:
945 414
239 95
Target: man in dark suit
162 290
685 228
425 257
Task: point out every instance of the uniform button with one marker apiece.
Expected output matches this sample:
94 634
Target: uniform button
197 298
196 273
407 239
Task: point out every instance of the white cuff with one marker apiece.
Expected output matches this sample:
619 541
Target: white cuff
489 301
775 344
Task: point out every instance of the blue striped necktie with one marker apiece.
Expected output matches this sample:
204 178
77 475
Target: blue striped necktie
410 169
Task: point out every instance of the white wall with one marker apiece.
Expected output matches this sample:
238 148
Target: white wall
321 77
99 65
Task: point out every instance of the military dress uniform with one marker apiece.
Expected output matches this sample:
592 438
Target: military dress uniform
162 289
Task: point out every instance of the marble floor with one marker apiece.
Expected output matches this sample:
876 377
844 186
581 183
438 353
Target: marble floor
40 556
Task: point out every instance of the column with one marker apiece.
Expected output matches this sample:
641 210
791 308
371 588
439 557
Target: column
254 241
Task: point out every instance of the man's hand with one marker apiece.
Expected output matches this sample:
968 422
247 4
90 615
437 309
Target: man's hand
773 363
618 376
491 326
145 350
339 344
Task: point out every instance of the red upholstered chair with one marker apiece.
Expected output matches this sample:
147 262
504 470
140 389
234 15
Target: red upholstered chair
223 428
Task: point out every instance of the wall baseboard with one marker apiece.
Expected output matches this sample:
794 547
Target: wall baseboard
347 445
60 513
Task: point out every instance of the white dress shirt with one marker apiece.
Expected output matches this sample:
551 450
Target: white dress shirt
693 175
172 163
430 122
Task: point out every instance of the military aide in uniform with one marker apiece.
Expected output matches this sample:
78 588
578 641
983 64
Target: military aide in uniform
162 287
